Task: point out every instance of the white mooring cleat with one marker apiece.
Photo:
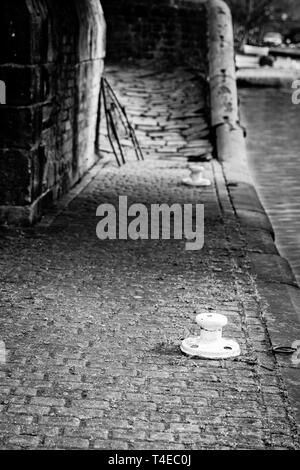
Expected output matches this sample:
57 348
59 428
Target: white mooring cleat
210 344
196 177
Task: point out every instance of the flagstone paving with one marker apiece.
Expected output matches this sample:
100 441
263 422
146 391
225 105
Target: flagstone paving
170 121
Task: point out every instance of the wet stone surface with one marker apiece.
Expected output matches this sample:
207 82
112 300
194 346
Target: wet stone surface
93 328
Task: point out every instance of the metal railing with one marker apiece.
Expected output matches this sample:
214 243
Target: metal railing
117 123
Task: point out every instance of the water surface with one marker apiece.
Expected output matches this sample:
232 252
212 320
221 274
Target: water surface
273 125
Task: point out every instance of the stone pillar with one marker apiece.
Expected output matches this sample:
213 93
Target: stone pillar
51 65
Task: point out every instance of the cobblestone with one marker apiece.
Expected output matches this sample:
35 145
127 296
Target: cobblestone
93 328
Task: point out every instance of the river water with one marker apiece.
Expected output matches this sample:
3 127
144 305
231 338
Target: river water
273 141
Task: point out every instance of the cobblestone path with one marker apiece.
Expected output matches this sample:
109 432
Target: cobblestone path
93 328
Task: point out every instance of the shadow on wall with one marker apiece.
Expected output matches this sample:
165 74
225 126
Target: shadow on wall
51 64
156 29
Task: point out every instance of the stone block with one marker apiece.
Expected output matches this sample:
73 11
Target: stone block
22 84
260 241
20 127
271 268
251 220
15 33
15 177
244 197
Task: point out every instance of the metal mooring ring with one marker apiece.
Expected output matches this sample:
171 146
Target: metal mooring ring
283 350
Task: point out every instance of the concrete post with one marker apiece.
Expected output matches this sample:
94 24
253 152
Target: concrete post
222 77
225 120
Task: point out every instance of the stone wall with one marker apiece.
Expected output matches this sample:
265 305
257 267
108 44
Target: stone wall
51 62
156 29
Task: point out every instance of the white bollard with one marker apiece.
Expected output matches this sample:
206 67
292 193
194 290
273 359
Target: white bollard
196 177
210 344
